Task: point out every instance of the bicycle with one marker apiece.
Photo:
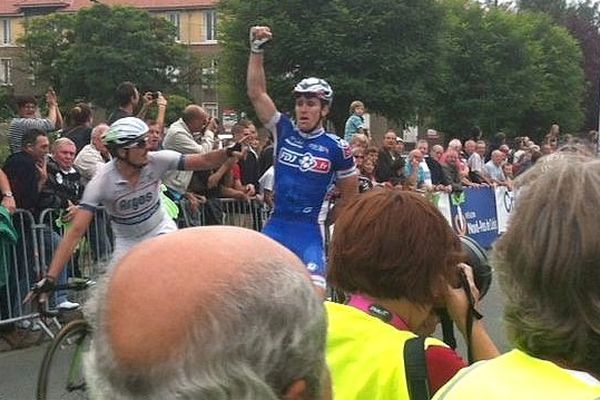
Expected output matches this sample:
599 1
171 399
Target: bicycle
67 347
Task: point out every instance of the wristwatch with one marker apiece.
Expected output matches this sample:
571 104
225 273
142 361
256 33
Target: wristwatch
7 194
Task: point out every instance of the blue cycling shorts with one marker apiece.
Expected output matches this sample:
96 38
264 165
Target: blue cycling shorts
306 241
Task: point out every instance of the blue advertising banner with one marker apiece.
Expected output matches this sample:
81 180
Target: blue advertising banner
474 214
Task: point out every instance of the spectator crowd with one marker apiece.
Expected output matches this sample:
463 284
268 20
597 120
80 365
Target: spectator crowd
268 336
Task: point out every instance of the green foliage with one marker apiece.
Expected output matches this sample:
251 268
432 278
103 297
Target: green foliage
554 8
582 19
6 112
379 51
45 39
583 22
87 54
513 72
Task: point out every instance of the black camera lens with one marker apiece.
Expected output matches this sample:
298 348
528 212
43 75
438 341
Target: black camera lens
478 260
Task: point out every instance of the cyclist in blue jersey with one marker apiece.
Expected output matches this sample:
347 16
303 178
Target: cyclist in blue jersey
309 162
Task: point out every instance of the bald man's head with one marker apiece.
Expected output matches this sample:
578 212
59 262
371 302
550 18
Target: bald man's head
195 118
209 303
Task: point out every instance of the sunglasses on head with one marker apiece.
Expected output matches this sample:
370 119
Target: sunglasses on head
140 144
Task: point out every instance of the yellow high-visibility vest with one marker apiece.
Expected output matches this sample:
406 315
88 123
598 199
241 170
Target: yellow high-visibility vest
366 356
517 376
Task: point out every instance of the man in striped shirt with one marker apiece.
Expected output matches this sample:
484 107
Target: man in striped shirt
28 119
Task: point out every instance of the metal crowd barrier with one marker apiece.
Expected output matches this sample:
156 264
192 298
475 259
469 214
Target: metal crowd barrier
20 266
24 262
91 255
251 214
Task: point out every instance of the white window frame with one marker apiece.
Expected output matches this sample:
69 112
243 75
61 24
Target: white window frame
5 71
210 26
212 108
211 72
6 32
175 19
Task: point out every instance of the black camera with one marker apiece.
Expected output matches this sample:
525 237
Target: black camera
154 95
478 260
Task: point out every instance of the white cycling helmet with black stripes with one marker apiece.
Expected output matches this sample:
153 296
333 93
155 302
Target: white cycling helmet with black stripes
315 87
125 131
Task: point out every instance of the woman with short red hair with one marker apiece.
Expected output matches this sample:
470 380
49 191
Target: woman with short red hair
398 258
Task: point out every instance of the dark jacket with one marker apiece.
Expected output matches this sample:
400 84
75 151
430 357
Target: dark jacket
385 165
249 168
80 135
23 176
437 173
60 188
265 160
453 175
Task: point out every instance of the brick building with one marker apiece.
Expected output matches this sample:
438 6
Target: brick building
195 20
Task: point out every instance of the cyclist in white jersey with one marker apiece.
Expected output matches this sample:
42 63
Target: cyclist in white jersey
128 187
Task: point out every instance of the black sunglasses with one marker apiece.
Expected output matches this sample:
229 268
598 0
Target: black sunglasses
140 144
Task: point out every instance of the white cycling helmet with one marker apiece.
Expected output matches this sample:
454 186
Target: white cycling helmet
315 87
125 131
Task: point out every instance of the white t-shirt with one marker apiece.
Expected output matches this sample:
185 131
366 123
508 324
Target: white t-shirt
426 173
584 377
135 211
267 180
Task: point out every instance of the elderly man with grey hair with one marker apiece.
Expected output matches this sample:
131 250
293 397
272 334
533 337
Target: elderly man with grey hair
493 169
208 322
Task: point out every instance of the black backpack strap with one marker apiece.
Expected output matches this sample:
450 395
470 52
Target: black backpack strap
415 365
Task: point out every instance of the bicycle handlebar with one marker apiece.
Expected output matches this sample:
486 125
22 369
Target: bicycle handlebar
77 284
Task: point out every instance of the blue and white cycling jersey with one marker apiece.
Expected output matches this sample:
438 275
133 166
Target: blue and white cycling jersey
306 169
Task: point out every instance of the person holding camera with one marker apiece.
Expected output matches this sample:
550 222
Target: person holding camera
549 269
399 261
128 98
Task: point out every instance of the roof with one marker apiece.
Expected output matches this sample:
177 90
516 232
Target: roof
16 7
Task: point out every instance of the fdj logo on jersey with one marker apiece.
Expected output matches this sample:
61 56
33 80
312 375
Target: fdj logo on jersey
304 162
136 202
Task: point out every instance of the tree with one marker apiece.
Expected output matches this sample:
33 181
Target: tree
583 21
6 111
555 8
379 51
87 54
505 71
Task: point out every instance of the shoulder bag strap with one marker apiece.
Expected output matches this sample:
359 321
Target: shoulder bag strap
415 365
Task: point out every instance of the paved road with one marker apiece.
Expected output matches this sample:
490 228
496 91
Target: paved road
19 368
19 372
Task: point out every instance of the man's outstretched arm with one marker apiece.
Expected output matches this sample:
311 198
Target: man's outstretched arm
256 81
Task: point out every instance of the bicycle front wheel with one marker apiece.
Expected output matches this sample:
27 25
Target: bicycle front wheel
61 373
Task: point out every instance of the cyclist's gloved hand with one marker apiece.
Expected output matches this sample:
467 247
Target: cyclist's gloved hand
233 148
238 150
259 35
40 289
45 285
